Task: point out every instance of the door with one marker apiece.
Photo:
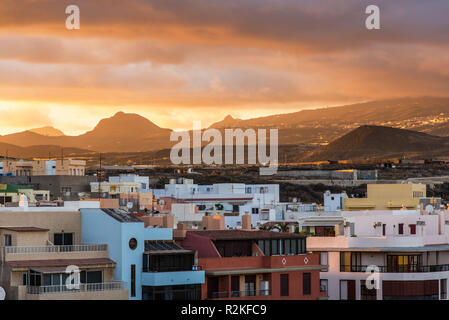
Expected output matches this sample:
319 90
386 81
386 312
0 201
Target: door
347 289
212 287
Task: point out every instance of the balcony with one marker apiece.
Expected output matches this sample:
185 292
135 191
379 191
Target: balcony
398 269
83 287
16 253
172 277
239 294
48 249
116 290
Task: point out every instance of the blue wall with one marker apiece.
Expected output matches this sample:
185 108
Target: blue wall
100 228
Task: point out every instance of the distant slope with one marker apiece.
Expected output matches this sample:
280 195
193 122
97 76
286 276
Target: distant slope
123 132
45 151
371 142
48 131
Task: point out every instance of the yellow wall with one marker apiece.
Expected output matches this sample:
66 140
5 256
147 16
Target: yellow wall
388 197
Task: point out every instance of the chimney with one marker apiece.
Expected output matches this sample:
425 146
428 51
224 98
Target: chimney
246 222
181 226
213 223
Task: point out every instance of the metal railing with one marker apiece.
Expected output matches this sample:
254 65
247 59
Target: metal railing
238 294
397 268
52 249
83 287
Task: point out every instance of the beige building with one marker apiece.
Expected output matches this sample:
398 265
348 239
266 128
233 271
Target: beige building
115 188
388 197
44 167
36 249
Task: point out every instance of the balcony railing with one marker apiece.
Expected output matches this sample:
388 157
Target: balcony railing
51 249
172 269
83 287
397 269
238 294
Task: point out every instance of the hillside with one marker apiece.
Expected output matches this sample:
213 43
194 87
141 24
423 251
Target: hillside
377 142
48 131
123 132
38 151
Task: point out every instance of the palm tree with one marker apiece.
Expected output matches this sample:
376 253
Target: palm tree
282 227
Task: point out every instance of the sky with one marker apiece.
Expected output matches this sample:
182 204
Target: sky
176 61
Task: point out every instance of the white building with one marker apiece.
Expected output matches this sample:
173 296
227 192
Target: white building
409 248
334 201
143 181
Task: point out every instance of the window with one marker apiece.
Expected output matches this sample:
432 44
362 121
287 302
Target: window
133 243
63 239
250 286
8 240
401 228
323 258
255 210
384 229
91 276
284 285
324 284
443 289
274 247
306 283
412 228
133 280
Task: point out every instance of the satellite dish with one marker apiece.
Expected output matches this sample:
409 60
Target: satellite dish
2 294
429 208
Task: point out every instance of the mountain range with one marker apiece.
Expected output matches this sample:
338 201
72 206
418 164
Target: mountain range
321 129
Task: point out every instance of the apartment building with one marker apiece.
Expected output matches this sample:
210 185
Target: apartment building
10 194
388 197
408 248
44 167
260 265
147 258
37 248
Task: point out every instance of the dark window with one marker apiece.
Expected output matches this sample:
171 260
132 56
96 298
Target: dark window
63 239
133 243
260 243
235 286
133 280
267 248
443 289
255 211
91 276
167 262
274 247
306 283
8 240
383 229
412 228
324 284
401 228
284 285
250 286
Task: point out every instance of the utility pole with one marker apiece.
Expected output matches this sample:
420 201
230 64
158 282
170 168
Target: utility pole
99 179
